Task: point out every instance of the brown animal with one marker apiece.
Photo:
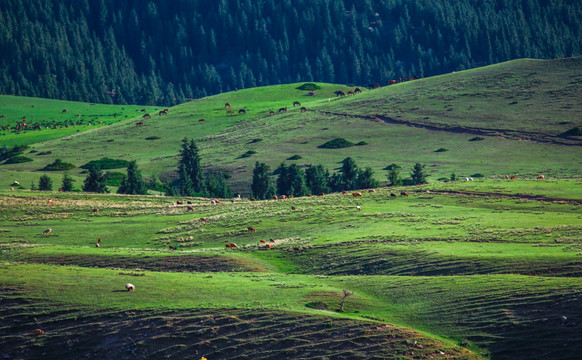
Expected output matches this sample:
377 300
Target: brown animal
513 178
263 241
190 208
139 123
229 112
37 332
217 201
376 86
201 120
227 246
283 109
403 193
147 116
283 197
293 208
357 91
162 112
351 93
392 195
227 105
344 192
371 191
541 177
180 202
129 287
275 197
251 229
203 219
99 241
233 245
296 103
272 240
322 194
242 111
303 109
290 196
340 93
143 110
253 199
268 246
357 194
271 112
189 202
96 210
172 248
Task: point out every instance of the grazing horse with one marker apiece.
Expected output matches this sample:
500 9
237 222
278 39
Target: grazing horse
357 91
351 93
340 93
147 116
139 123
242 111
296 103
201 120
303 109
227 105
271 112
283 109
403 193
162 112
251 229
229 112
392 195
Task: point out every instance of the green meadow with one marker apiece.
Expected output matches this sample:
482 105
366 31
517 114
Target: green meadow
482 269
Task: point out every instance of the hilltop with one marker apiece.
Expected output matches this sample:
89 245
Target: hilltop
516 110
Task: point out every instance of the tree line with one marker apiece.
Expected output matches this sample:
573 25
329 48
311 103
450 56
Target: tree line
192 181
160 52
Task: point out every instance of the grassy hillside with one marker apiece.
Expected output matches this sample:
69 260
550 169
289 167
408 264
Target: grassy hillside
491 266
517 110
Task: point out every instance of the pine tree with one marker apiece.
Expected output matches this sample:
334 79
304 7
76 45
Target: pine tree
191 172
45 183
262 186
217 185
418 174
394 178
295 181
366 179
317 179
95 181
349 174
133 184
67 184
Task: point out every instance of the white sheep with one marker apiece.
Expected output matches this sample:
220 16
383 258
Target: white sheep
359 208
129 287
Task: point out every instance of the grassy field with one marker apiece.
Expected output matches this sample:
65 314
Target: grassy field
490 266
483 269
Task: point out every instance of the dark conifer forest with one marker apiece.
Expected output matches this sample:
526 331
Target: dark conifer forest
164 52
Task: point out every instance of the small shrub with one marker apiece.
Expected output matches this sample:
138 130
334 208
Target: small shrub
153 138
45 153
248 154
393 166
361 143
59 165
476 138
18 160
477 175
441 150
294 157
336 144
106 163
316 305
309 87
575 131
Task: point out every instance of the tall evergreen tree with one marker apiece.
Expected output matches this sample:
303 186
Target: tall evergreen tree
366 179
394 178
45 183
317 179
133 183
95 181
191 171
349 174
418 174
217 185
262 186
291 180
67 184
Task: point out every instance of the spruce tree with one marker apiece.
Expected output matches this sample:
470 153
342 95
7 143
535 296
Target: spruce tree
317 179
296 180
418 174
349 174
217 185
394 178
95 181
262 186
133 184
191 170
67 184
366 179
45 183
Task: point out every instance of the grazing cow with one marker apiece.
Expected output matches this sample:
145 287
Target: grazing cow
344 192
390 82
403 193
180 202
541 177
271 112
376 86
251 229
283 197
189 202
227 105
507 177
51 201
513 177
213 202
293 208
275 197
129 287
142 110
358 208
263 241
371 191
233 245
322 194
272 240
296 103
203 219
99 241
268 246
253 199
470 179
351 93
64 111
97 245
392 195
172 248
11 188
95 210
283 109
357 91
340 93
357 194
190 208
47 231
217 201
227 246
139 123
147 116
242 111
201 121
229 112
36 332
303 109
